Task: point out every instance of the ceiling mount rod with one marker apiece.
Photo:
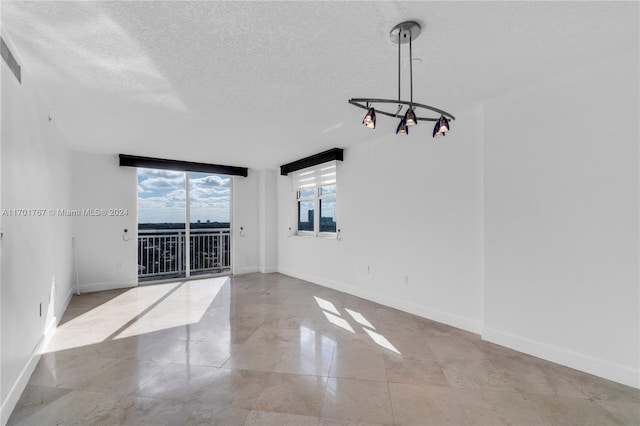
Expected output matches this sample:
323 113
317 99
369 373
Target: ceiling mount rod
410 69
399 73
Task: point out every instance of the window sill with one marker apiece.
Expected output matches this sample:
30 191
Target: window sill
304 234
325 235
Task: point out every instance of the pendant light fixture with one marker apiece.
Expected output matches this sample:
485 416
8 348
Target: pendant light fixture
441 127
403 128
404 33
369 120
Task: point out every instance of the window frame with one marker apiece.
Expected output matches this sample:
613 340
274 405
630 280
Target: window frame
320 197
300 199
317 198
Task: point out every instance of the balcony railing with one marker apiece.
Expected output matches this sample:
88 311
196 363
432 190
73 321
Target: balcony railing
161 252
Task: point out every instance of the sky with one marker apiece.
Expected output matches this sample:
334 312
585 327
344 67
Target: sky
161 196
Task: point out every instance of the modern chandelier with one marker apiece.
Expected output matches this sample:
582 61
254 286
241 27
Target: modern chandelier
404 33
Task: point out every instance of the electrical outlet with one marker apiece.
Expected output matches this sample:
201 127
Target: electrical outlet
405 279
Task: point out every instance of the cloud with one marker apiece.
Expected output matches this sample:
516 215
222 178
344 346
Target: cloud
146 173
212 181
162 182
209 186
162 197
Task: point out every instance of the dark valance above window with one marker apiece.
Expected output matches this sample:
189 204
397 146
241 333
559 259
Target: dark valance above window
314 160
181 166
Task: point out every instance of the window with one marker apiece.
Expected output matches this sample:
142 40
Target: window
316 199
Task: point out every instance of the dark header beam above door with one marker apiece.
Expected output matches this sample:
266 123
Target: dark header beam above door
182 166
323 157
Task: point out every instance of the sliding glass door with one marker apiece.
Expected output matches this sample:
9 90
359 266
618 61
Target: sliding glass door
183 224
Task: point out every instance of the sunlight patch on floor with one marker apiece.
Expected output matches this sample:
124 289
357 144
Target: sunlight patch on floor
326 305
381 340
340 322
359 318
138 311
184 306
334 317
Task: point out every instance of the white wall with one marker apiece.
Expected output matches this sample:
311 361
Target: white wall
561 195
268 217
104 260
407 205
36 250
245 214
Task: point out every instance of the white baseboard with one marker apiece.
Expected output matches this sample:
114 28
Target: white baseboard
269 270
108 285
20 384
239 270
9 403
457 321
598 367
67 300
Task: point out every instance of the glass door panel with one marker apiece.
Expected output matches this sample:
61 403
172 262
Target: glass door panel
161 224
209 209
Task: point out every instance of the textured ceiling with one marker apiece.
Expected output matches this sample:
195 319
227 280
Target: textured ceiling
260 84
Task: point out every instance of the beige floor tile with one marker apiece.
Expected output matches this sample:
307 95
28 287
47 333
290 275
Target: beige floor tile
122 377
563 411
357 400
596 388
358 364
325 421
489 408
412 349
175 382
436 329
477 374
292 394
136 411
308 359
199 414
533 378
276 336
265 418
212 353
253 357
212 329
449 349
426 372
69 370
232 388
421 405
77 408
626 412
35 398
130 347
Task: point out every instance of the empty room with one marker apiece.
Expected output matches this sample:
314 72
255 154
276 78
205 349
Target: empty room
320 213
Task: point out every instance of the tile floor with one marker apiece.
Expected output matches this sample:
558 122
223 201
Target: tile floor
274 350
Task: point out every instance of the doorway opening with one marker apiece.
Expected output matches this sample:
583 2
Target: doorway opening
184 224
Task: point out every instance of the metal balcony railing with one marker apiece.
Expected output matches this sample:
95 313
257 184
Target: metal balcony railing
161 252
